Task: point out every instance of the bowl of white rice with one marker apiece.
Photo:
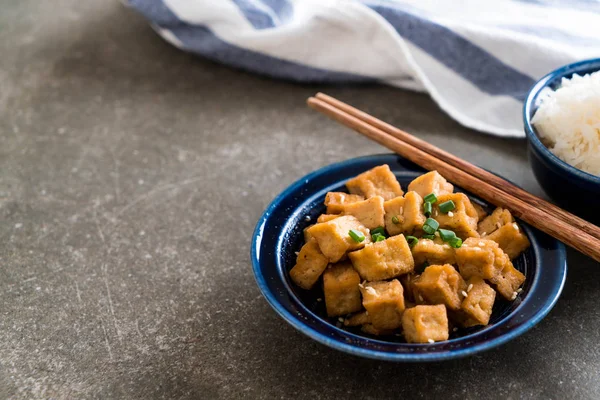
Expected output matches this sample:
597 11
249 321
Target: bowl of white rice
562 124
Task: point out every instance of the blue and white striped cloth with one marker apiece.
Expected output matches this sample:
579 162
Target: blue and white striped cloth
476 58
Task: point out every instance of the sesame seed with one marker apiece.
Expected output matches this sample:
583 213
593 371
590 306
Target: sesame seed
514 296
498 225
481 244
437 233
454 329
483 234
371 291
450 214
307 218
366 313
470 287
296 252
515 226
319 299
519 290
397 334
341 319
464 293
360 285
431 340
476 248
421 298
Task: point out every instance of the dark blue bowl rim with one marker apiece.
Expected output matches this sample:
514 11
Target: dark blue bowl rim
528 106
540 313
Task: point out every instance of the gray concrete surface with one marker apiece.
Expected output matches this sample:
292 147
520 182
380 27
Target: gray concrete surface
131 177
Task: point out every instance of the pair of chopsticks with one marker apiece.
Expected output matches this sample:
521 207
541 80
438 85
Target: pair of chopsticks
566 227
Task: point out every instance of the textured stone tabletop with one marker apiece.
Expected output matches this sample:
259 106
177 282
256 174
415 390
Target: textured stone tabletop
131 178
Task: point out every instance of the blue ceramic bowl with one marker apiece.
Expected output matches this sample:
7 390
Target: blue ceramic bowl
278 235
565 184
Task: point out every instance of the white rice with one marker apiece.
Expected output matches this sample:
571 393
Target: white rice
568 121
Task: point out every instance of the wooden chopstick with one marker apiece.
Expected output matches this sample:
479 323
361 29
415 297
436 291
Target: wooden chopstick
548 223
465 166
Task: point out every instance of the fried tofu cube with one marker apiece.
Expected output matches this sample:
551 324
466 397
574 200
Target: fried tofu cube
357 319
307 235
494 221
441 284
383 260
509 280
310 264
431 182
407 281
340 285
485 259
384 301
476 308
511 239
427 250
481 213
371 330
425 324
333 238
462 220
404 214
334 201
327 217
378 181
369 212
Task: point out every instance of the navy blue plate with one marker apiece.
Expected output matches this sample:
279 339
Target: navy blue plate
278 235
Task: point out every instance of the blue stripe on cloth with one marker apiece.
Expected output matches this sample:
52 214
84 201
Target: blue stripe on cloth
156 11
468 60
257 17
282 8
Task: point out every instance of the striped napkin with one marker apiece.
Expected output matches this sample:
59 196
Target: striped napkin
477 59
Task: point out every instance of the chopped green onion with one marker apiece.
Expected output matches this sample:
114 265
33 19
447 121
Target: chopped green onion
431 225
447 235
412 240
395 220
378 237
456 242
427 209
447 206
380 230
430 198
428 237
357 236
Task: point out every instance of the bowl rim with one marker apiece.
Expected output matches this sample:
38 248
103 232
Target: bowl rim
375 354
530 131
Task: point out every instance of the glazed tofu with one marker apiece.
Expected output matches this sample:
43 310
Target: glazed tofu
476 308
342 295
431 182
494 221
407 281
462 220
427 250
481 214
357 319
404 214
383 260
441 284
327 217
384 302
333 238
334 201
378 181
483 258
310 264
307 235
425 324
511 239
369 212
